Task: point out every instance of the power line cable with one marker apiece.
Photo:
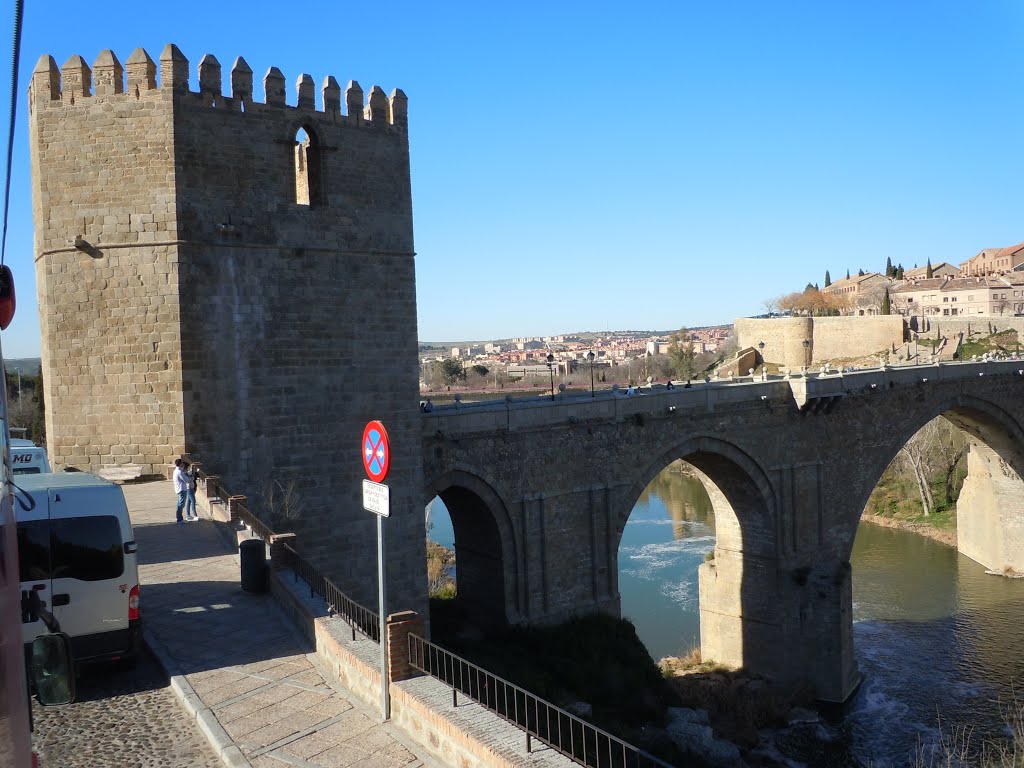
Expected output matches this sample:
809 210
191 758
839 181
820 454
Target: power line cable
18 8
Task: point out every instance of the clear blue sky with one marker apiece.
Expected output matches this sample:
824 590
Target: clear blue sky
595 165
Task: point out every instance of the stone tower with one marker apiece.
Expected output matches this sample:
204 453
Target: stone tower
235 280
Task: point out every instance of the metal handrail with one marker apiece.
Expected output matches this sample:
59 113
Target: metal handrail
257 526
564 732
360 618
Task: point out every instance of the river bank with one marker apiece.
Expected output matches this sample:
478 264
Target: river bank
945 536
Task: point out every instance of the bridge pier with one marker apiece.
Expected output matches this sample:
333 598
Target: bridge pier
788 623
990 512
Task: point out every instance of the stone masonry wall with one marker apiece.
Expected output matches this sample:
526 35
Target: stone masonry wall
293 324
831 338
103 172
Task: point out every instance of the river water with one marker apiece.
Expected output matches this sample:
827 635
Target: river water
938 640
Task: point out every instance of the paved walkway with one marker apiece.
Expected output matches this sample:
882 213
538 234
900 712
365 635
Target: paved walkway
258 692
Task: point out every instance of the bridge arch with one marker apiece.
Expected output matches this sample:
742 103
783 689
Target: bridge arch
736 585
485 547
985 422
738 486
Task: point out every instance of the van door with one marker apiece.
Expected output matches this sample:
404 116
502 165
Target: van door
34 561
90 586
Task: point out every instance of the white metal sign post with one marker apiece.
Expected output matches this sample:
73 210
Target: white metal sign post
377 499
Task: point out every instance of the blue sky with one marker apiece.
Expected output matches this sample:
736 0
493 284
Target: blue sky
597 165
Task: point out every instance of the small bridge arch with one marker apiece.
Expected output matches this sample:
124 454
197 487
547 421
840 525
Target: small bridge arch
485 548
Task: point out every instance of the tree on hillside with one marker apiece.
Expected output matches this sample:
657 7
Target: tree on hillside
813 302
680 351
886 304
847 274
828 279
928 270
860 273
771 306
449 370
935 452
809 287
888 267
898 275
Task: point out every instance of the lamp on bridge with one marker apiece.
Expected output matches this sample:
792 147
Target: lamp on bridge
807 348
590 357
760 346
551 373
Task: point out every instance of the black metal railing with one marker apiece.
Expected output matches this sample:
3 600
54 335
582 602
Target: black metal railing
360 618
575 738
257 526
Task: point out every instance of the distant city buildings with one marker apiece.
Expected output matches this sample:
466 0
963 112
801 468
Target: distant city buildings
526 357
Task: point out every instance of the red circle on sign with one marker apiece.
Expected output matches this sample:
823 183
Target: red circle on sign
376 451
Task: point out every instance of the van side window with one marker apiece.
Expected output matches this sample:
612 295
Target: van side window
27 471
34 550
87 548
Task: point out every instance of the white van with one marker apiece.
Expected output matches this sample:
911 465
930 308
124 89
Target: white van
28 458
76 549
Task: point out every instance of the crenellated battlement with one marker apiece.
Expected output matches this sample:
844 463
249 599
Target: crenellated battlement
76 82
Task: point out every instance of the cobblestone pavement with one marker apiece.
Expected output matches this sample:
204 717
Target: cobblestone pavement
240 668
122 718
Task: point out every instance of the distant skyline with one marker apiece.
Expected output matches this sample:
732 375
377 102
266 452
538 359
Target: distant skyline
593 165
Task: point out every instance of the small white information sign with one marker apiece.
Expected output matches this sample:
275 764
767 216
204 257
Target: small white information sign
376 498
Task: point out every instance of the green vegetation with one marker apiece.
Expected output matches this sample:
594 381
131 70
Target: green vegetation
1001 342
440 562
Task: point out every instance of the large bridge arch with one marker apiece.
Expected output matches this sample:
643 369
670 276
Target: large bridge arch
739 488
986 423
734 627
485 547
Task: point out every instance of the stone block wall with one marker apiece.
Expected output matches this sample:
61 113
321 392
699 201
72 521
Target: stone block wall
830 338
215 311
108 307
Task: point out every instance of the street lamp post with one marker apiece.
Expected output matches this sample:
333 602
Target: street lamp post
590 357
551 373
807 349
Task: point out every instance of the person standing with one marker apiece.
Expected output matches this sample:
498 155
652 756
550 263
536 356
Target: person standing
190 491
180 488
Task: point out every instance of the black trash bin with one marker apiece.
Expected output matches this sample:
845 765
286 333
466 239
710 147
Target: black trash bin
253 556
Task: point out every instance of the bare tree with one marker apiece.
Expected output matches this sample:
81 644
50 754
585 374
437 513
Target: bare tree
935 452
283 503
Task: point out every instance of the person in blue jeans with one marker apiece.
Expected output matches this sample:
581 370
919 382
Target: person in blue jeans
190 491
180 488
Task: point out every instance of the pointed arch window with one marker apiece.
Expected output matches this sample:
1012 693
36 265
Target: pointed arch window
307 166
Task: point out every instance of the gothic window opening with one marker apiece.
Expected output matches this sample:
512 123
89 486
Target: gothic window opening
307 168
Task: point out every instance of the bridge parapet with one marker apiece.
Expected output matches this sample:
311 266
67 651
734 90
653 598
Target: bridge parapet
520 414
815 390
811 391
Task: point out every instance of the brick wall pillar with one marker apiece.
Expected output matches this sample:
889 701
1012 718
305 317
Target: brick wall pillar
211 487
399 625
233 503
281 558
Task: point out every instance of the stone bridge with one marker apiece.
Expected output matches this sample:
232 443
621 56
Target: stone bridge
539 494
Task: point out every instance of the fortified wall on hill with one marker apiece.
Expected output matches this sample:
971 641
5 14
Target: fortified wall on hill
829 338
234 280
